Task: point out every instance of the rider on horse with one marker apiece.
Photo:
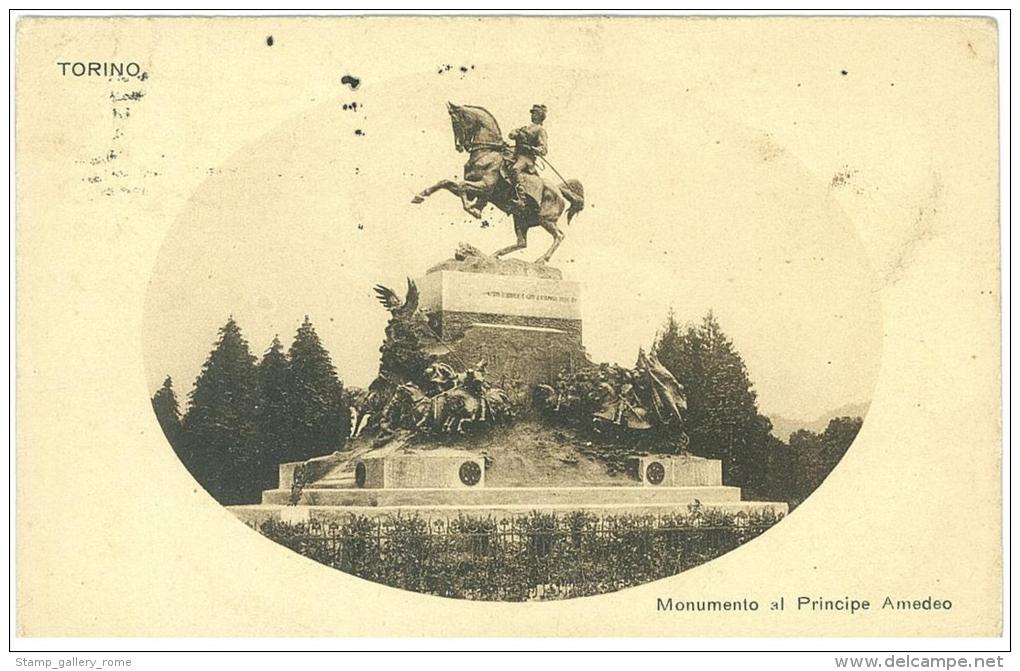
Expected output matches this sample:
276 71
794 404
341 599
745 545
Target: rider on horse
530 142
488 181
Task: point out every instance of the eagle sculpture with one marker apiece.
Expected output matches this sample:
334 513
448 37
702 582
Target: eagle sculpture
407 319
400 309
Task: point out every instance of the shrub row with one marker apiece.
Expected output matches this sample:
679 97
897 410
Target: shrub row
538 556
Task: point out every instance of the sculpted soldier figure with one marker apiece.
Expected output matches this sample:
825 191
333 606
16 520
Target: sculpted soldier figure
441 376
530 142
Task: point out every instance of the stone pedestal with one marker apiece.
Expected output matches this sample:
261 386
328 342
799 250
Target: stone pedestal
448 469
527 327
678 471
450 482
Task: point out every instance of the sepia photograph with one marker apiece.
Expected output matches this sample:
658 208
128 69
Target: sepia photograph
503 423
487 326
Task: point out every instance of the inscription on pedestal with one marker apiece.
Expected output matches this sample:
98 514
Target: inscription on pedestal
480 293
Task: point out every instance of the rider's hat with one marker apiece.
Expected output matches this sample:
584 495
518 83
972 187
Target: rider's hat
539 108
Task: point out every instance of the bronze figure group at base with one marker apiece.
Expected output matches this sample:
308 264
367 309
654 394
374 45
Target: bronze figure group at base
450 402
609 397
416 391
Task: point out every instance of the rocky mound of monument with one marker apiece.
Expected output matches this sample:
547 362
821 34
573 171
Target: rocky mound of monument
527 453
470 259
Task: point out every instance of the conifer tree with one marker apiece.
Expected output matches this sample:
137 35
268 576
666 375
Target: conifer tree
722 412
220 424
816 454
320 419
168 413
273 421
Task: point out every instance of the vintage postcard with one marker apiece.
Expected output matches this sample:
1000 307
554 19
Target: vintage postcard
496 326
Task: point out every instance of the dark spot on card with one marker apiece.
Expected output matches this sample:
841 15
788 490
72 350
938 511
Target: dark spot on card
358 131
350 106
350 80
130 95
269 41
843 72
843 177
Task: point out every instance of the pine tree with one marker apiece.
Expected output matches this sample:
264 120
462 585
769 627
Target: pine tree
781 472
722 418
816 454
273 421
168 413
220 425
320 420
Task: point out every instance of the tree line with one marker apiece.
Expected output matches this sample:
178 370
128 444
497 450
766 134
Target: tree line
723 420
246 416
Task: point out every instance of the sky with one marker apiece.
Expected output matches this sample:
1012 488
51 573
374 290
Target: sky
688 210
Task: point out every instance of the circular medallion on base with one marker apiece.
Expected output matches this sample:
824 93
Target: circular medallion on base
470 473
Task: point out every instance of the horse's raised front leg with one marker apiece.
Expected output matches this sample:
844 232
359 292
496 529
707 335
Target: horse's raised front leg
448 184
476 209
476 190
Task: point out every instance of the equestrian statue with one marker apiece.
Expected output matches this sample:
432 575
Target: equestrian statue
506 176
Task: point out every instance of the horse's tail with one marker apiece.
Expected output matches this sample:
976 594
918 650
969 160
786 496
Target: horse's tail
573 192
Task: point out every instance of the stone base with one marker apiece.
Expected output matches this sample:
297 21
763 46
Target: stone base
447 482
678 471
524 496
256 514
438 469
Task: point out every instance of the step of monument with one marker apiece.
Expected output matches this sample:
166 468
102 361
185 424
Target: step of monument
257 514
534 496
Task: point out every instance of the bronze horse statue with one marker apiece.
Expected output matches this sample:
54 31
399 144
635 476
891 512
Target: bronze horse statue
485 181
